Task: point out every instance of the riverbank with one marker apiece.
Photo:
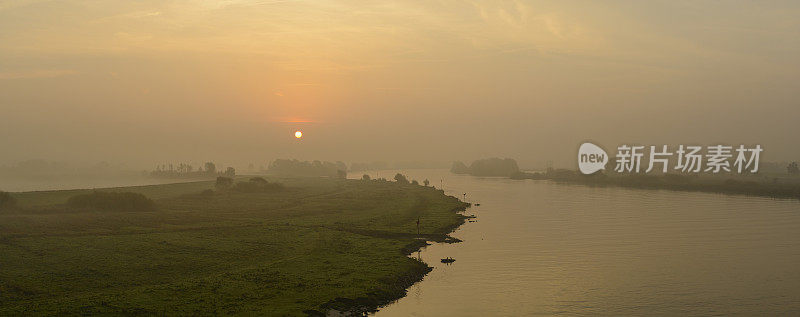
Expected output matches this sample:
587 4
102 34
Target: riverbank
735 185
608 251
318 244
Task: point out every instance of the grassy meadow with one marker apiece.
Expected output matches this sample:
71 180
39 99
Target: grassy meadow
313 245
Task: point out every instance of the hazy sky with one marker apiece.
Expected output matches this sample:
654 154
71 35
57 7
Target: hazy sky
154 81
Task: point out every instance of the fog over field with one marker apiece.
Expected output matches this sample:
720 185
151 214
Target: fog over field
147 82
399 158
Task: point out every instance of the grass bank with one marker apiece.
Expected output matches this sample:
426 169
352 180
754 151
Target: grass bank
314 245
786 187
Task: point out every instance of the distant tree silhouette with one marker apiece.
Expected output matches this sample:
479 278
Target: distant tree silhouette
426 182
793 169
414 182
230 172
341 165
493 167
400 178
365 177
179 170
210 168
459 168
286 167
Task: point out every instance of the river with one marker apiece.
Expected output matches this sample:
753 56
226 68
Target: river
539 248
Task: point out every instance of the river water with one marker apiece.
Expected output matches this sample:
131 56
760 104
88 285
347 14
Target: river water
539 248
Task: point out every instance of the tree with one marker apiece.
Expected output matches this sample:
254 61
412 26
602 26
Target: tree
493 167
210 168
400 178
426 182
365 177
459 168
414 182
223 182
793 169
341 166
230 172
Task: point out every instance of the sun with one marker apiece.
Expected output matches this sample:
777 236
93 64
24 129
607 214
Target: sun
298 134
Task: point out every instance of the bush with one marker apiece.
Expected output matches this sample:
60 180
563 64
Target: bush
230 172
116 201
257 185
223 182
400 178
7 201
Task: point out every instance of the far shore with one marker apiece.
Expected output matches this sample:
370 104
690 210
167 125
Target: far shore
788 188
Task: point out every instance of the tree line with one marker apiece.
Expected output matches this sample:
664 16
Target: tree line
183 170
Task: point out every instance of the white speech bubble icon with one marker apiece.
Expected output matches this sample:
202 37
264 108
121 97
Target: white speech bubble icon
591 158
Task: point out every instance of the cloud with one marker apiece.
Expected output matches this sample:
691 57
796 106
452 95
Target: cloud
31 74
132 37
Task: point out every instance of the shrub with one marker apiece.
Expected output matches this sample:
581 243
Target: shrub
208 193
400 178
7 201
257 185
459 168
230 172
223 182
116 201
247 187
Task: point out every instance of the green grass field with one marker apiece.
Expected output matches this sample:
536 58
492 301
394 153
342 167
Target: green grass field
317 244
